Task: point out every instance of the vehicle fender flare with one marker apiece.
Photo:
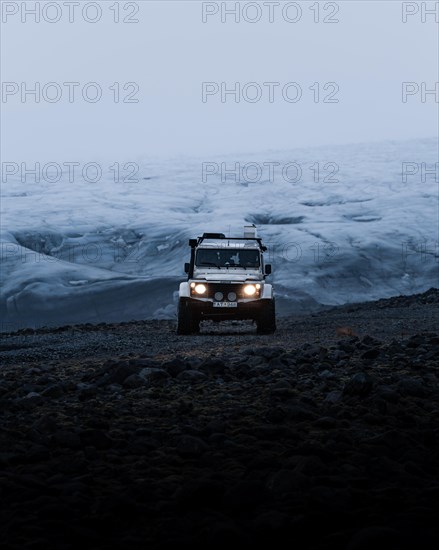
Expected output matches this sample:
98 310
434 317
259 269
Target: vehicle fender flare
184 290
267 292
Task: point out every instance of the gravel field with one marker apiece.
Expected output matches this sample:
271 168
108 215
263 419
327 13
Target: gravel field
129 436
386 319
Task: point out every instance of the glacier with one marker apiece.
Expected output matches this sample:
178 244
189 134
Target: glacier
343 224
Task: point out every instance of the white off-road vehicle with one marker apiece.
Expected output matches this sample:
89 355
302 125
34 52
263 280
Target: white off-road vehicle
226 281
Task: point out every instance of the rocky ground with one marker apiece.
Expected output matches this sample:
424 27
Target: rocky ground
129 436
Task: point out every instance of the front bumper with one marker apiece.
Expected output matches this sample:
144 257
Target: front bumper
245 309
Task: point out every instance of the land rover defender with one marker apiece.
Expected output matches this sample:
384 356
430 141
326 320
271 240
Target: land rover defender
226 280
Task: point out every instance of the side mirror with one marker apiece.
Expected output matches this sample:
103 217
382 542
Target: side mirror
268 269
187 266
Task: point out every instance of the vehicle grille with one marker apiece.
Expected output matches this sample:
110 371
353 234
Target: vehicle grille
225 288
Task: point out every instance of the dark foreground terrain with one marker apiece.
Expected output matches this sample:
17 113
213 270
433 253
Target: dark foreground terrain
129 436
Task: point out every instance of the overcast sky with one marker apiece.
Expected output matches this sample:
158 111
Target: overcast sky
359 62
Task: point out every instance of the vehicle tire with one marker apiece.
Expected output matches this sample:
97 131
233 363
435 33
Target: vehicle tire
195 324
266 322
187 321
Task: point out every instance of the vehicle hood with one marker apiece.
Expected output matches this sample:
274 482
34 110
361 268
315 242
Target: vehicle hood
229 275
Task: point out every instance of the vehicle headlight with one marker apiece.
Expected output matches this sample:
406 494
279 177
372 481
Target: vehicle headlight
250 290
200 289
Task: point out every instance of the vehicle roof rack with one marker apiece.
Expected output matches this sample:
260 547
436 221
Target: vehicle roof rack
213 236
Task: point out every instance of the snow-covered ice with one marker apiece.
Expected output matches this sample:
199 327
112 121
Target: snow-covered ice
114 251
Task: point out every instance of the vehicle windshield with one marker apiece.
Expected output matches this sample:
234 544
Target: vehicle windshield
223 257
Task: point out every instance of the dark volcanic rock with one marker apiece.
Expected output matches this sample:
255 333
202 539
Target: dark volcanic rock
299 438
189 446
360 384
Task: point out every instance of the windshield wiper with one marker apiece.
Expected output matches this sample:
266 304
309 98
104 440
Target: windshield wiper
245 266
210 264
